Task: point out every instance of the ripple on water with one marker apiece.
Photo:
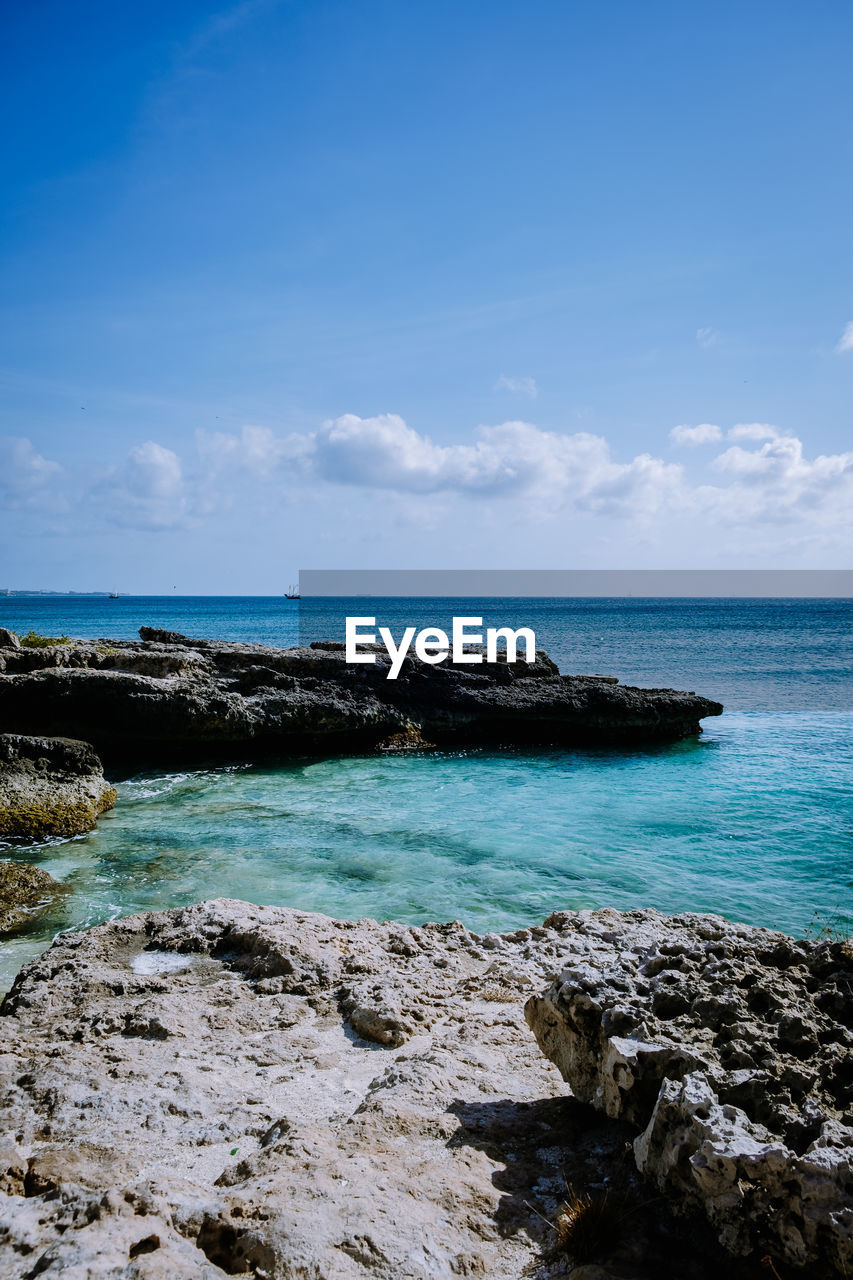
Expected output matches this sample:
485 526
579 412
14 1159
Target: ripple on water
753 820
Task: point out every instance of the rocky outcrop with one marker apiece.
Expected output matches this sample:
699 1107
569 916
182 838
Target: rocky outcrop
50 787
168 695
25 892
236 1090
731 1049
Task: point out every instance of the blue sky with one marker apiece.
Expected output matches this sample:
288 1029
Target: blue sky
387 284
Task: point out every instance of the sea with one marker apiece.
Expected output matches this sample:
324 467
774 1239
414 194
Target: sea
752 819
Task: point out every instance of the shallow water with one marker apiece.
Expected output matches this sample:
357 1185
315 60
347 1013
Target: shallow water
753 820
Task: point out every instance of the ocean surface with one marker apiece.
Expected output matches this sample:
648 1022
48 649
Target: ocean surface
753 819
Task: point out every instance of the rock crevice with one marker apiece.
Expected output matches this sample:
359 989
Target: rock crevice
730 1048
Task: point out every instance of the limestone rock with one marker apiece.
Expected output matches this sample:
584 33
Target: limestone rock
235 1090
25 891
8 639
731 1049
170 696
50 787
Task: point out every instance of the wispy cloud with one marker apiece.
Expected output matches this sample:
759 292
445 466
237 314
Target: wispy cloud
753 431
519 386
26 478
707 337
146 491
845 342
705 433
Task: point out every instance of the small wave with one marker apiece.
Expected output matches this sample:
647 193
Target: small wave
151 786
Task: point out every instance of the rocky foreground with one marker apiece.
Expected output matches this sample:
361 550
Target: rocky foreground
169 696
236 1090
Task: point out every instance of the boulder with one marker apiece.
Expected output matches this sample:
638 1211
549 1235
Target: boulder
8 639
730 1049
226 1089
25 892
49 787
167 696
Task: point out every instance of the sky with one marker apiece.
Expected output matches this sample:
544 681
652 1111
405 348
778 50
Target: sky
320 284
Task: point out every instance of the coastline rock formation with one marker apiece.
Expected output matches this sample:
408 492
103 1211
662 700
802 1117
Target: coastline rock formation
227 1089
50 787
167 694
731 1048
25 891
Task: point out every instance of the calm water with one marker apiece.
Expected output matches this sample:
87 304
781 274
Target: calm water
754 819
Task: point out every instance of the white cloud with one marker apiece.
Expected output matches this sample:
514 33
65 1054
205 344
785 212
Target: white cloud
777 483
520 386
27 480
508 460
845 342
753 431
705 433
22 469
257 449
706 337
513 475
147 491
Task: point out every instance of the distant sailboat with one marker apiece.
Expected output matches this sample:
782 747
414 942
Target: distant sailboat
113 595
292 593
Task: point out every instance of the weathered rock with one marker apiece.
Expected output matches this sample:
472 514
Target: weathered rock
168 695
731 1048
25 891
50 787
191 1094
8 639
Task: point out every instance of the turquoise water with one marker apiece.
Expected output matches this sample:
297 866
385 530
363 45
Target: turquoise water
754 819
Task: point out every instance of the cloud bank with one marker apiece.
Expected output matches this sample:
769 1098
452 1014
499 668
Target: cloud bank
763 477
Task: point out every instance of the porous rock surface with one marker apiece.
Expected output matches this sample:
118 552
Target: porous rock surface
234 1090
50 787
731 1048
25 891
170 695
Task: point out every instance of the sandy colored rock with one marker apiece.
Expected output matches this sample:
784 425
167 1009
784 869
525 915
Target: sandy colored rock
193 1094
730 1048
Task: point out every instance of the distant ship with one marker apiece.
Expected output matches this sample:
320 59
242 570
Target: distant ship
292 593
113 595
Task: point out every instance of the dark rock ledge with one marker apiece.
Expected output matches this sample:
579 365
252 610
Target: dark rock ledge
167 695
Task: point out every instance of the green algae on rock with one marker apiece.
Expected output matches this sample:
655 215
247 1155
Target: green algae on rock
50 787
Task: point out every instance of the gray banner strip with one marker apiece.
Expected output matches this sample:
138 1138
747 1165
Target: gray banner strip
527 583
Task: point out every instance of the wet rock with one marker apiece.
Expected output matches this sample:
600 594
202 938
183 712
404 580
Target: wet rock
170 696
50 787
25 891
730 1048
